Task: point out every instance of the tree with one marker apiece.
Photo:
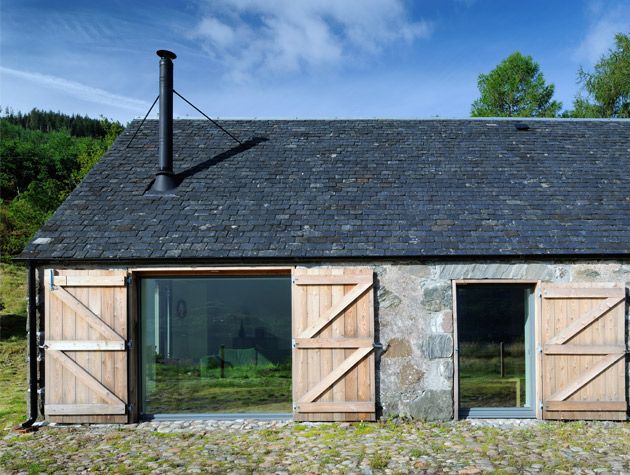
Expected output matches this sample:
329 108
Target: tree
515 88
43 156
608 86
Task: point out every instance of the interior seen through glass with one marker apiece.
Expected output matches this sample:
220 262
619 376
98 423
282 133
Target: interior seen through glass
494 345
216 344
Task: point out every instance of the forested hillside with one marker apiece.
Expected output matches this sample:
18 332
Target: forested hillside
43 156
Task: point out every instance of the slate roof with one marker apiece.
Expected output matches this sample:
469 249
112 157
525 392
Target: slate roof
354 188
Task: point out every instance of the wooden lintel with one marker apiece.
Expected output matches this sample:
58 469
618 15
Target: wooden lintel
233 270
345 279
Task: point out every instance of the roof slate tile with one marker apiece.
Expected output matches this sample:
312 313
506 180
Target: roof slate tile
352 188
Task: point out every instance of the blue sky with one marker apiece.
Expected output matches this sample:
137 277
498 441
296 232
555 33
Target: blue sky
290 58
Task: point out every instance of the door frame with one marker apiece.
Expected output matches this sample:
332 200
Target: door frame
135 325
535 344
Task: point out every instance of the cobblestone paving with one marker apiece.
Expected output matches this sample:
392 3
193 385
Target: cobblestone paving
243 447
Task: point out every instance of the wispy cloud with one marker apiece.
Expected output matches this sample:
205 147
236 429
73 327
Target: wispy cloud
254 36
79 90
607 19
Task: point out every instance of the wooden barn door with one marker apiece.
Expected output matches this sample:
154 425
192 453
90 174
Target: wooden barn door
583 351
333 343
86 346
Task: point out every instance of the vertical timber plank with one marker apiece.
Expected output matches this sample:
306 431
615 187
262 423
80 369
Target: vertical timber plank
325 296
339 389
123 362
364 329
95 364
108 372
350 331
313 355
68 332
300 360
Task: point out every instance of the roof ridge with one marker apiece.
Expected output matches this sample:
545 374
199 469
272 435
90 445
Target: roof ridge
399 119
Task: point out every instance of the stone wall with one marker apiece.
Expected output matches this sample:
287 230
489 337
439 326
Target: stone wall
414 322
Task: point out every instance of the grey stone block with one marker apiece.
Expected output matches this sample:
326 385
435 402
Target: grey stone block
438 346
432 406
387 299
398 348
437 296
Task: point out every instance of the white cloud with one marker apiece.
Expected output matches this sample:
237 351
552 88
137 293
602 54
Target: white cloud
607 19
253 36
78 90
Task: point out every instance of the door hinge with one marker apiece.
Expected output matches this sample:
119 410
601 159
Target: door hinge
539 349
128 280
296 407
293 343
540 405
129 344
52 279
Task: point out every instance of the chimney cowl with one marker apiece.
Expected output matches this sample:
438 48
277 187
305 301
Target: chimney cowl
164 53
165 179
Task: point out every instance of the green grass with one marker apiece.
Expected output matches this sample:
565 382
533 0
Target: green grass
379 460
248 388
12 345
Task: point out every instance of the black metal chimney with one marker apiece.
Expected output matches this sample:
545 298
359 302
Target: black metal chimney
165 178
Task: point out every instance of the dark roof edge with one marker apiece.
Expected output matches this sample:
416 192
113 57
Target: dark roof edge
309 260
400 119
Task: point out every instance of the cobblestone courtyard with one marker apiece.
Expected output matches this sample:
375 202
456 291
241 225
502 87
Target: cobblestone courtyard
284 447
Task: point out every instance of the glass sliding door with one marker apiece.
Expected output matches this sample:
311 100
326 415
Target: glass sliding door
215 344
495 339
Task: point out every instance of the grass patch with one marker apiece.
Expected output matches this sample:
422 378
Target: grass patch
379 460
12 302
12 345
12 382
361 428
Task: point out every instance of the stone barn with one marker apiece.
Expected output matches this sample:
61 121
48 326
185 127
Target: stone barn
338 270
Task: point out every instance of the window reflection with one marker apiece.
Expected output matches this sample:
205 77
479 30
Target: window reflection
216 344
